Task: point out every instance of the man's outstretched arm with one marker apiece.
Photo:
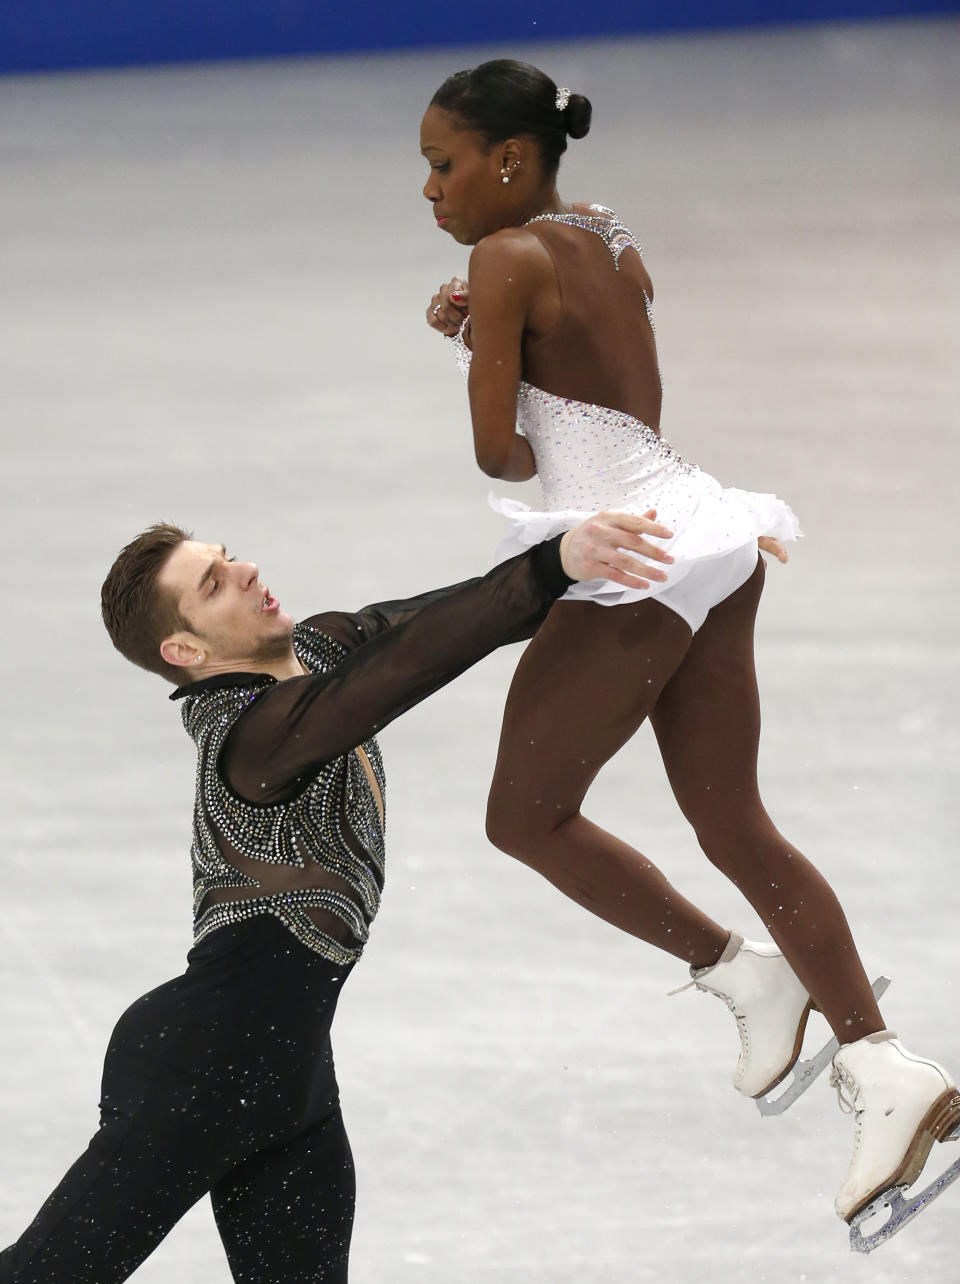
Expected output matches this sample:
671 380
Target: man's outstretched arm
352 628
298 725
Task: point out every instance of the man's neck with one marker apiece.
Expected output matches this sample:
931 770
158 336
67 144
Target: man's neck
280 667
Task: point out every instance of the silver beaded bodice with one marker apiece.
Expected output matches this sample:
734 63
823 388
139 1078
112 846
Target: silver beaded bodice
614 233
589 456
603 222
332 827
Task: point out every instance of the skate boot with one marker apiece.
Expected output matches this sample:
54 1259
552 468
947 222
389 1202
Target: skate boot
771 1006
902 1104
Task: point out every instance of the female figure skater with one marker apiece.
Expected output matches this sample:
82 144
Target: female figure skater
556 328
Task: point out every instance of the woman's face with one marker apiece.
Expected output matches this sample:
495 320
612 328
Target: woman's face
464 185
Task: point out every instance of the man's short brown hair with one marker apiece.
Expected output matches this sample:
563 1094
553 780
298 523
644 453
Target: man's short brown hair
137 612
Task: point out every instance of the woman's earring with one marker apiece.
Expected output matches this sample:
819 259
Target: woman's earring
504 175
199 659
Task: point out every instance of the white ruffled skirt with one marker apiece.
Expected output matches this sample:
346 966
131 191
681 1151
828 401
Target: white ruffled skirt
714 543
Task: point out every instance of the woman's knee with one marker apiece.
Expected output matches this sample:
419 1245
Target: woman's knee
731 839
515 826
503 826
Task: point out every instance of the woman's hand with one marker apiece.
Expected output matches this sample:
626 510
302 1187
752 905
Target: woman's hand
449 306
608 546
767 544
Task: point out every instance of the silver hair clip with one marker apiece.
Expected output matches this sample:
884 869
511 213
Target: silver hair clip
563 97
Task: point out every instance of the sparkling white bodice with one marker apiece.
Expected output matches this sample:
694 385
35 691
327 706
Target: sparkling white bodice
591 457
588 456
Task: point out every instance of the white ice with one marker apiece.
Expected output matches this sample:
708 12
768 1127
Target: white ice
213 287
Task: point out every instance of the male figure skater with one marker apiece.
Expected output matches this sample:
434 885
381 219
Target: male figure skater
222 1080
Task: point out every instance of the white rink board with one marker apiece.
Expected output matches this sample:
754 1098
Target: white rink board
213 289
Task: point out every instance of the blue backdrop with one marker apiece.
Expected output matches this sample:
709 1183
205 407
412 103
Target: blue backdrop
49 34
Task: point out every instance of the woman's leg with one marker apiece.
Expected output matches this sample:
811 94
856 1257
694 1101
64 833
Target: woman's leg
583 686
707 723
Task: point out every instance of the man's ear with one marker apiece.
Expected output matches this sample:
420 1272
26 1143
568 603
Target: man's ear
181 650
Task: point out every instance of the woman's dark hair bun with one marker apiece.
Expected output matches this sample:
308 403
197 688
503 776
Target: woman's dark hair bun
504 97
577 116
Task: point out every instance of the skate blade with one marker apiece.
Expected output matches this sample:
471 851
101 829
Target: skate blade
805 1072
902 1211
941 1123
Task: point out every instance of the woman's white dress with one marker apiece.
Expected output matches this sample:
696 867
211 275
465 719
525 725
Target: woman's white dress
591 458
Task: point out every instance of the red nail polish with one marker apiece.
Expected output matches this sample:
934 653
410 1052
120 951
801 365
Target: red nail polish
456 297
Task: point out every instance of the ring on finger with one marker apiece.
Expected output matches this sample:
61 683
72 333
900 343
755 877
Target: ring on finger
436 310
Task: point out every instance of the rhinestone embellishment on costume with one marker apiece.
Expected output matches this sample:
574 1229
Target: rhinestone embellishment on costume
590 456
604 223
308 830
612 231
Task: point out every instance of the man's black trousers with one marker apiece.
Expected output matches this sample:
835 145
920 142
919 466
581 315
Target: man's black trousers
222 1080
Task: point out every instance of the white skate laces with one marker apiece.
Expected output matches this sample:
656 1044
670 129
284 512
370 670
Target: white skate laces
770 1006
839 1081
901 1104
730 951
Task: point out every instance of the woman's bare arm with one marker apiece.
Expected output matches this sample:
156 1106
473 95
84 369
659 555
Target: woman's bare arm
507 272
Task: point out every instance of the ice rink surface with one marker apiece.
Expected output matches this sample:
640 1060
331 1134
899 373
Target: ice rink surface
214 282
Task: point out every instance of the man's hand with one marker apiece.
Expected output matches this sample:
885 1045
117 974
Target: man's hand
608 546
449 306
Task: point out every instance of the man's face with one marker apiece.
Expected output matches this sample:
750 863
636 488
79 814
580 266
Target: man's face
234 620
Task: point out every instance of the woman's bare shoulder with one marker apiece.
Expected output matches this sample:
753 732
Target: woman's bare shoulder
506 243
513 249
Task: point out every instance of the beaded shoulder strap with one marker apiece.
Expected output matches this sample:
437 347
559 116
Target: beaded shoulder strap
603 222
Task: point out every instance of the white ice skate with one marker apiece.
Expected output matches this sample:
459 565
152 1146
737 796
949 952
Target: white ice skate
902 1104
806 1071
771 1006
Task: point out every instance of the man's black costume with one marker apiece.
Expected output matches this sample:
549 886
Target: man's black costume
222 1080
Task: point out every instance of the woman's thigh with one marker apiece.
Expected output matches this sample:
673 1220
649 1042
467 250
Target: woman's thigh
707 718
582 687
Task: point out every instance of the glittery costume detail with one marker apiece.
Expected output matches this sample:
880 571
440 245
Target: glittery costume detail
590 457
615 235
332 828
287 816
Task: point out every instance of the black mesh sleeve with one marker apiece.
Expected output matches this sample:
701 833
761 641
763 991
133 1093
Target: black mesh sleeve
354 628
401 652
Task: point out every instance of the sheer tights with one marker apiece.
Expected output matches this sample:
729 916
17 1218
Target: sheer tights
583 686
